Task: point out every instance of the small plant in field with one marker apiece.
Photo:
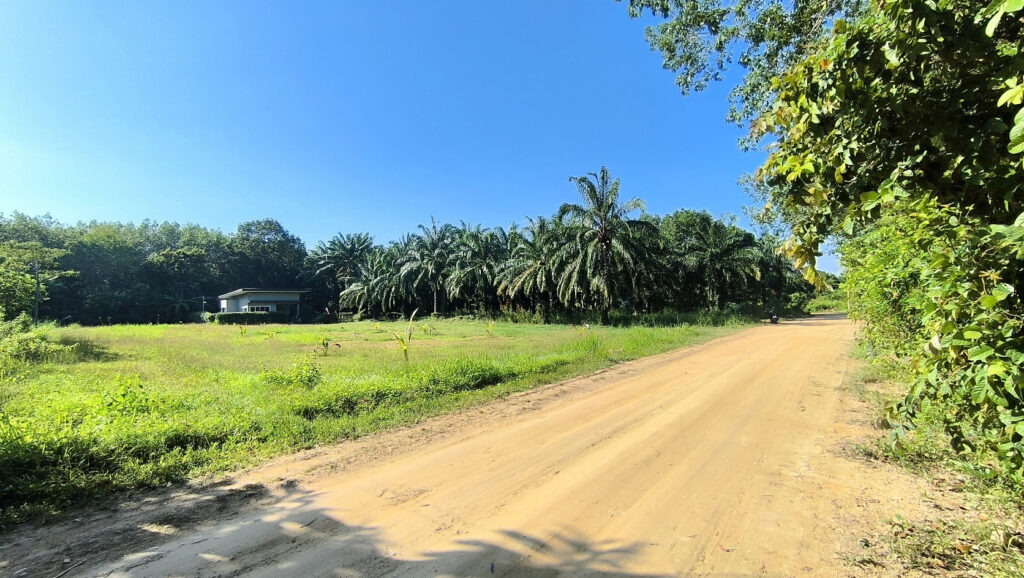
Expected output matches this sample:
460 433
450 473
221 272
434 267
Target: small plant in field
242 330
324 344
490 329
269 334
427 328
403 345
406 340
376 327
129 397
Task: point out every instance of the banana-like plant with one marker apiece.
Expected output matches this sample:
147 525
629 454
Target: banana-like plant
404 342
325 344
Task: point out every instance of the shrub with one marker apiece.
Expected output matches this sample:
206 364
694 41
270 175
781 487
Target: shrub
833 301
20 343
259 318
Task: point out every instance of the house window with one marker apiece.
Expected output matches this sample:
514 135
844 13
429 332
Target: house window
259 309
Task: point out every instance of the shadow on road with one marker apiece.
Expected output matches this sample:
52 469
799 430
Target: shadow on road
294 538
814 320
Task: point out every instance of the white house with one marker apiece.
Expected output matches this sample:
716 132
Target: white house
252 300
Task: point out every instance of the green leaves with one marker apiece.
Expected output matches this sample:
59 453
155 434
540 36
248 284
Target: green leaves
995 11
1016 145
999 293
980 353
1014 93
891 56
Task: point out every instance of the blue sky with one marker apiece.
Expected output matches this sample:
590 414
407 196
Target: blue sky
346 116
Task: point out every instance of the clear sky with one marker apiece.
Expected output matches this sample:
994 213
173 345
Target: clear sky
347 116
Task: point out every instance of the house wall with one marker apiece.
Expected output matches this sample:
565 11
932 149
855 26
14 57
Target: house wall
234 304
276 301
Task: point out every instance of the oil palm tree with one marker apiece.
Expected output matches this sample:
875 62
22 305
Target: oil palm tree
476 255
725 254
337 261
426 262
605 243
777 275
529 270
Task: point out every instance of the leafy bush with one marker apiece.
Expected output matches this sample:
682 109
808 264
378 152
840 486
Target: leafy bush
831 301
257 318
521 315
21 343
128 399
937 286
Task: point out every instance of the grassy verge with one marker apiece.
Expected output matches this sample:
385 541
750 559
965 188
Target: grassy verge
983 533
138 406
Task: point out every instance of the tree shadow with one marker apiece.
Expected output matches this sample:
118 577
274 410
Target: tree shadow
292 537
85 350
562 553
815 320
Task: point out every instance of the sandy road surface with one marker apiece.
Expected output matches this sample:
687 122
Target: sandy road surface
707 461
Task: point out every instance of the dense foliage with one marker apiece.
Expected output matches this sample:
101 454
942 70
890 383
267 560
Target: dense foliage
97 273
901 134
21 343
597 259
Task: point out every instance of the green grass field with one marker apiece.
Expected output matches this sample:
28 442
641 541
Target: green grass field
145 405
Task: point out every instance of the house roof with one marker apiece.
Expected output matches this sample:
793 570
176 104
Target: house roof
245 290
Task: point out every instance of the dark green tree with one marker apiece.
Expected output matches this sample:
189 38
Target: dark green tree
477 253
264 254
605 243
425 265
529 270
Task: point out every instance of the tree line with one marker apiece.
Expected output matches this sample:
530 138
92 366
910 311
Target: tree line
596 258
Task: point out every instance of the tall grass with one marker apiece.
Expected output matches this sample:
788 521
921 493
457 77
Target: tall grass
135 406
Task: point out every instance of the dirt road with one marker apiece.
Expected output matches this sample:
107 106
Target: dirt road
706 461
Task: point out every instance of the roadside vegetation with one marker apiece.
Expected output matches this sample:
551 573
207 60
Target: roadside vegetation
973 524
930 228
108 409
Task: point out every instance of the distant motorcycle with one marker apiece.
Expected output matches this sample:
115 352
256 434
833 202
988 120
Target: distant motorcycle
773 318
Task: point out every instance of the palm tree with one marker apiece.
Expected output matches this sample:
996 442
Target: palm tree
776 274
360 294
725 254
387 285
426 263
606 244
529 270
338 259
475 258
